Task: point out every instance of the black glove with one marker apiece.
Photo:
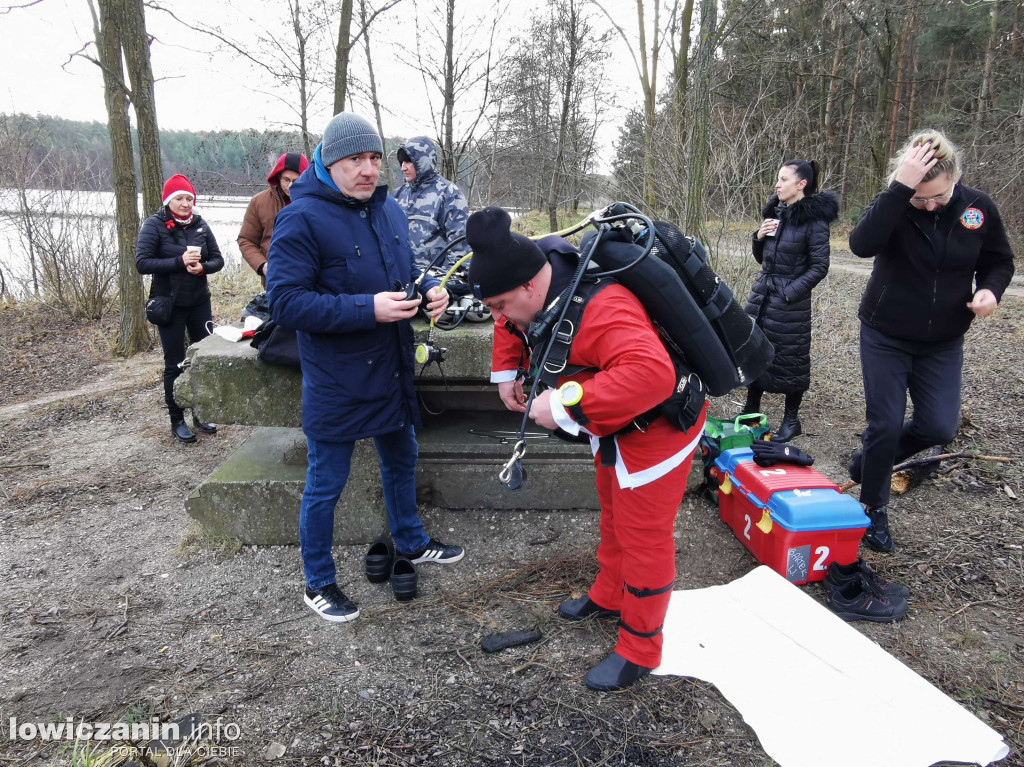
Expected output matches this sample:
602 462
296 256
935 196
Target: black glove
770 453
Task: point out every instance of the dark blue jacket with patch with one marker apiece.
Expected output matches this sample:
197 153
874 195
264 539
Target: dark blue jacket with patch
328 257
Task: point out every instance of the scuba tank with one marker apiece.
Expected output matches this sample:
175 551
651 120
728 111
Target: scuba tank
695 312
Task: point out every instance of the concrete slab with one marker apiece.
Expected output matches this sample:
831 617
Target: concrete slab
255 494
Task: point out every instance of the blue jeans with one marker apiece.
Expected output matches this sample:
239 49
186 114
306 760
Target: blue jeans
931 373
328 471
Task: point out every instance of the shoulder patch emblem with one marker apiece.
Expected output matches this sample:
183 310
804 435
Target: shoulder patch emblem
972 218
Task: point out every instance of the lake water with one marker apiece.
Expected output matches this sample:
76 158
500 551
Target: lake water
222 214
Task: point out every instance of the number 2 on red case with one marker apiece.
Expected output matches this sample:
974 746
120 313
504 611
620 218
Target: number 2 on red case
770 472
822 552
746 528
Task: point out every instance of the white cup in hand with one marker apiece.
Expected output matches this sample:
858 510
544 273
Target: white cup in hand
771 232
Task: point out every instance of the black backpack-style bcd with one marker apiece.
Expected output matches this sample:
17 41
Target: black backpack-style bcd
693 309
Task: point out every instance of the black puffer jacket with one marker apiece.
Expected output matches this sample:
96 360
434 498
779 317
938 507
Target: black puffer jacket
792 263
927 263
159 251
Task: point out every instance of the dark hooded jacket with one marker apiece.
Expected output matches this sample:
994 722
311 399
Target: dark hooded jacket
928 263
436 209
258 223
330 255
792 263
158 251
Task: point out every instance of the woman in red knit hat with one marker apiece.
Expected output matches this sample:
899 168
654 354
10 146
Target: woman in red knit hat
177 247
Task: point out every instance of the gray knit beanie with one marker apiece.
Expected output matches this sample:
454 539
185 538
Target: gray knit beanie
348 134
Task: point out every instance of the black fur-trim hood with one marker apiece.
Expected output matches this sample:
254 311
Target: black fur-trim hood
822 206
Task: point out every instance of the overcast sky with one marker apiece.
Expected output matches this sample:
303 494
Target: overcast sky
202 86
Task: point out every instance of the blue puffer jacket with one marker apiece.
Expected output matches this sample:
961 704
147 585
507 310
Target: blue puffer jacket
328 257
159 250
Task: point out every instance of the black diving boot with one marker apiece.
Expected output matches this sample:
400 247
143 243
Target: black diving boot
180 431
614 673
582 608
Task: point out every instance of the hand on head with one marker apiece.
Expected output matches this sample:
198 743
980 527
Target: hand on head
915 167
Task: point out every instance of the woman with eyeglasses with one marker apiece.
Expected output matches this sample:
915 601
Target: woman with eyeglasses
941 258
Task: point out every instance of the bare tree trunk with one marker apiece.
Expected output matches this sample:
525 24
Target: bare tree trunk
830 102
913 95
1015 35
295 9
879 145
849 120
699 148
949 75
649 82
449 162
133 335
373 88
135 42
494 152
341 56
900 68
680 70
986 80
30 236
571 26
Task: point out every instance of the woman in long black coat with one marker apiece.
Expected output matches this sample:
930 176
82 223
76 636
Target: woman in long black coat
177 247
792 247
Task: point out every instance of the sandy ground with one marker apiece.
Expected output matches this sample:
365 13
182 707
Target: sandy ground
113 605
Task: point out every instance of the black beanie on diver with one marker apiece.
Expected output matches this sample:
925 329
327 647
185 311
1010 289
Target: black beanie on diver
502 260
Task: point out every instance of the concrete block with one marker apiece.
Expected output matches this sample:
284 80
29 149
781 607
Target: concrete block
255 494
461 455
226 383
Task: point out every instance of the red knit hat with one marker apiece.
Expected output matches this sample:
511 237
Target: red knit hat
175 185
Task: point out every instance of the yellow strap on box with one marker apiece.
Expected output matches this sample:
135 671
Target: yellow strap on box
765 525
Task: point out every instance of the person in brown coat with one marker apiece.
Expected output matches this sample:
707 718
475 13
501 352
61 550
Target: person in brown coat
258 224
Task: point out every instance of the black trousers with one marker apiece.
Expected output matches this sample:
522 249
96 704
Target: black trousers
172 338
931 372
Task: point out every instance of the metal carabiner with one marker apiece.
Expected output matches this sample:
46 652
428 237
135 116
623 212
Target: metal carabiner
513 475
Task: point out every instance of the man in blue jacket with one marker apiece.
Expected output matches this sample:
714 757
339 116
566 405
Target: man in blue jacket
340 251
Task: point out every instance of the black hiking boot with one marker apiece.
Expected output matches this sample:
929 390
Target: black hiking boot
877 535
856 601
839 576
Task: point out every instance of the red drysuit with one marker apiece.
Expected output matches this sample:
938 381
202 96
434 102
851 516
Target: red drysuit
641 494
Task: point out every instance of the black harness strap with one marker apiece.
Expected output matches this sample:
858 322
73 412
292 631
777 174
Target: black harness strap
645 592
558 358
642 634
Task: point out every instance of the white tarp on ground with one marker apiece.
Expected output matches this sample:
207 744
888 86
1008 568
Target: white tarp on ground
814 689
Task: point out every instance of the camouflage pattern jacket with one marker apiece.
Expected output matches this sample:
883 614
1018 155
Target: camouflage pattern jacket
436 209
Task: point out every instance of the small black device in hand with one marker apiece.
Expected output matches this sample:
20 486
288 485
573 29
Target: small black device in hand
409 290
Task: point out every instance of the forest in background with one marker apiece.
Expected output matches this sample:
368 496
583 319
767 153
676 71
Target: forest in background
743 85
724 92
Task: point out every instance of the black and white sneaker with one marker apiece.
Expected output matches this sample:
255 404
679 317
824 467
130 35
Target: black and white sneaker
435 551
330 604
